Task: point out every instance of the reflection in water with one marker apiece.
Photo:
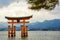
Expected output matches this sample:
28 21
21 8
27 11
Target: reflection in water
11 38
22 38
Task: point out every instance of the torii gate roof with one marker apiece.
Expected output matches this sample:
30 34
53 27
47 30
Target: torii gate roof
19 18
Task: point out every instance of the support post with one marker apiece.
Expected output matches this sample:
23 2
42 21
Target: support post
9 31
12 29
24 31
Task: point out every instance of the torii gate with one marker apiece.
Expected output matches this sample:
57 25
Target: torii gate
24 28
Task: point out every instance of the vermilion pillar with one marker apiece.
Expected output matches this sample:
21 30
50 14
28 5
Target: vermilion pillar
9 31
24 31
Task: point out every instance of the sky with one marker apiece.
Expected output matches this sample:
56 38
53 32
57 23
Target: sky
19 8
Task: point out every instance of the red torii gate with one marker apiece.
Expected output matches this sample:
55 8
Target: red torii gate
24 28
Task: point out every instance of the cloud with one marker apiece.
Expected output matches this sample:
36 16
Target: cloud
21 9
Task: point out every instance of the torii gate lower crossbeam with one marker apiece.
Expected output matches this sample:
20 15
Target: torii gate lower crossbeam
24 28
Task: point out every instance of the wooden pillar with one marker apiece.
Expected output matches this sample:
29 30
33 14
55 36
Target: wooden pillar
24 31
9 31
12 29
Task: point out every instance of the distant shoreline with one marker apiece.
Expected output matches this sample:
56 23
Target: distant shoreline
42 30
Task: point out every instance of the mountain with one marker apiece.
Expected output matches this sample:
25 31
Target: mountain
45 25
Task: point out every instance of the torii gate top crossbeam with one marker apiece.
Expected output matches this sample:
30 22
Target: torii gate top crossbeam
19 18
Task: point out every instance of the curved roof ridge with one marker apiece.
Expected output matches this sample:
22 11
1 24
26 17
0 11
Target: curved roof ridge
19 17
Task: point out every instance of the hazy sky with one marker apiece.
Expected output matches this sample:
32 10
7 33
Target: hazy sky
20 8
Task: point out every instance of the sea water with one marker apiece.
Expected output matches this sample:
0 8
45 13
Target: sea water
32 35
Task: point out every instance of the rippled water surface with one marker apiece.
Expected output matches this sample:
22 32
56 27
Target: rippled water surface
33 35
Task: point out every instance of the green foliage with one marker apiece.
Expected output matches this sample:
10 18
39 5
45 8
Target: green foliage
46 4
